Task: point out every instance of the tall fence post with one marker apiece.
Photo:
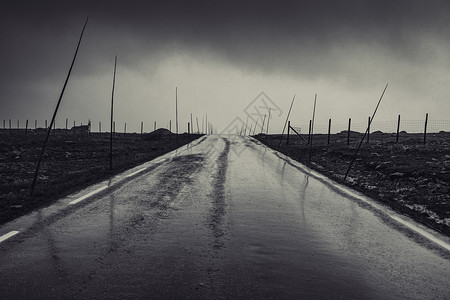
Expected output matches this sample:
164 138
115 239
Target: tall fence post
289 128
125 128
262 125
329 131
18 125
368 130
10 128
4 124
99 127
189 129
66 124
348 131
198 128
425 130
46 126
26 127
142 128
267 131
398 129
309 131
55 112
112 122
35 124
73 127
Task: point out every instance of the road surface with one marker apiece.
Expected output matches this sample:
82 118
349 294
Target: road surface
222 218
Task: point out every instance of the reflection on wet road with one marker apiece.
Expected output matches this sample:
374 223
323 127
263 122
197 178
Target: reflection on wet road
223 218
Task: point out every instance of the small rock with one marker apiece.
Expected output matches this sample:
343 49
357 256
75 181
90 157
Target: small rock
396 175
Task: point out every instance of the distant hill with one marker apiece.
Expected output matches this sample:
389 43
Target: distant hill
156 134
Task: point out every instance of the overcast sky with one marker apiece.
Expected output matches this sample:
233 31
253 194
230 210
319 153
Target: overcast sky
221 55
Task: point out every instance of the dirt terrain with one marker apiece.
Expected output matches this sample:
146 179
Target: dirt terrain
71 162
409 176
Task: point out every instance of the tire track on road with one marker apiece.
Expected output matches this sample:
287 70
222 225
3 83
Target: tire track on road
218 209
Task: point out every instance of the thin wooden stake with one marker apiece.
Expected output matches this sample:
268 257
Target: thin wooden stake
425 130
309 131
111 135
262 125
245 129
312 131
329 131
176 112
348 131
198 128
268 119
285 123
56 110
360 143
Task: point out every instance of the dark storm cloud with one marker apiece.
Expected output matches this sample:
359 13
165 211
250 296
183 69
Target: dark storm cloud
249 32
305 38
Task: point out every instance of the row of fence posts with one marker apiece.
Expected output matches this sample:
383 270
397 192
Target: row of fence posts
190 131
349 131
46 126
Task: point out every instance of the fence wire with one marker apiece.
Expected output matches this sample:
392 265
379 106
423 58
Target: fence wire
409 126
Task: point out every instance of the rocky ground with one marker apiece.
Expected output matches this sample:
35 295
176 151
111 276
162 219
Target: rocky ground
71 162
411 177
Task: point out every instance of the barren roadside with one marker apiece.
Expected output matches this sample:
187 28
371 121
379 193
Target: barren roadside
71 162
410 177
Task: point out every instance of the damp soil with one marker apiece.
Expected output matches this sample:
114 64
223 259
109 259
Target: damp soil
410 176
70 163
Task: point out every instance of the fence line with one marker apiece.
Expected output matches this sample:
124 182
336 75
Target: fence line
10 126
409 126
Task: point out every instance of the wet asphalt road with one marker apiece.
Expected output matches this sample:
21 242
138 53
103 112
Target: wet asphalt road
224 218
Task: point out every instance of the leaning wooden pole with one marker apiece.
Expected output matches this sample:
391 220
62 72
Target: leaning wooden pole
312 130
56 110
287 118
360 143
112 116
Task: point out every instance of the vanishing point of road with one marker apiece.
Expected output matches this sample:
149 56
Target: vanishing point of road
222 218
